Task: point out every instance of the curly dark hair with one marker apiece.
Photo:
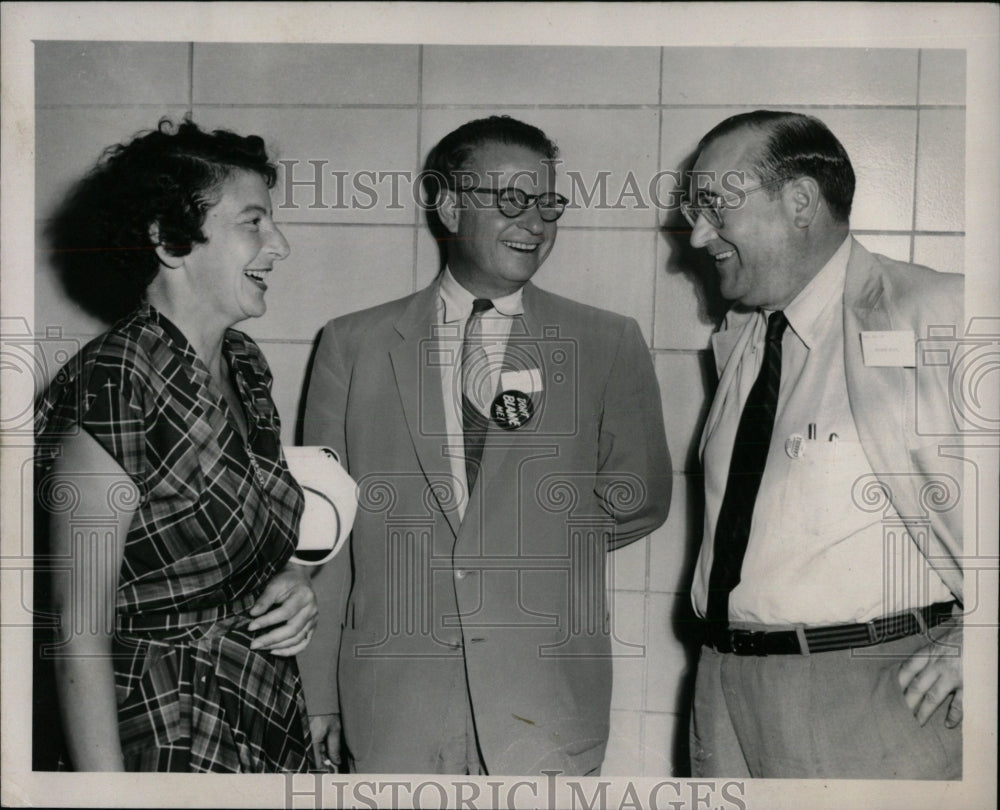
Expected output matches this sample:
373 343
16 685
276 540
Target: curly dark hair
168 177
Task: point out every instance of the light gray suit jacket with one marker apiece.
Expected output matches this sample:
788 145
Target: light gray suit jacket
515 590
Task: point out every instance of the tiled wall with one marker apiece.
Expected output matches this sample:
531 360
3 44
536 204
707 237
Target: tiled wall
900 114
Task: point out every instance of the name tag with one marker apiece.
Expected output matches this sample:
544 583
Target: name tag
529 381
897 349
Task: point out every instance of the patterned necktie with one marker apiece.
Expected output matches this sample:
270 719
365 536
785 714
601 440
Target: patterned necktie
753 437
476 394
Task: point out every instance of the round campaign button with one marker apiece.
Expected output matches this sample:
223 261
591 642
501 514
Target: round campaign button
794 445
512 410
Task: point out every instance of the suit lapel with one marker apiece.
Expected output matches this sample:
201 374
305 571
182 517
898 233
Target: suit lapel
728 347
880 428
418 383
723 345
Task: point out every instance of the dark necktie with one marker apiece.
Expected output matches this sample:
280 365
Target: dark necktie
753 437
475 394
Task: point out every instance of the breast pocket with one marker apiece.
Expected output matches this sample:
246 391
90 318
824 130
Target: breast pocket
820 492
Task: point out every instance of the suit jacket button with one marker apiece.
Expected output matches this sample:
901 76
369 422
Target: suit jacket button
460 574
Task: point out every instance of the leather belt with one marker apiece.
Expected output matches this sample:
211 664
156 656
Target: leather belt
806 640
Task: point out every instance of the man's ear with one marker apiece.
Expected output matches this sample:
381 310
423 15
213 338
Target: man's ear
165 257
448 210
803 198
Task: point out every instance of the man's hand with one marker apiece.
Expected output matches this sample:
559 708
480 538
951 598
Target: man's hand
933 675
287 604
325 731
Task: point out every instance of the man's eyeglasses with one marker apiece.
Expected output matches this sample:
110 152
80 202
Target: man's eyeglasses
512 202
712 207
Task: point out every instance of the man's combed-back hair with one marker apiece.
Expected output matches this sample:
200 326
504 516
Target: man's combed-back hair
796 145
453 153
167 177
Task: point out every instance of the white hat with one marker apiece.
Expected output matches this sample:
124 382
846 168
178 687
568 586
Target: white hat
331 501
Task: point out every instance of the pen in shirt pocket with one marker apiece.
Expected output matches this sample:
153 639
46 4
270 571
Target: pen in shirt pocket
811 433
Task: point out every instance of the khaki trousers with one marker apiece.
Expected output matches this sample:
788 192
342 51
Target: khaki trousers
829 715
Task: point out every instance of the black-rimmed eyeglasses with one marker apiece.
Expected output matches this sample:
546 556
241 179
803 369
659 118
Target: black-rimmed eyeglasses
712 207
512 202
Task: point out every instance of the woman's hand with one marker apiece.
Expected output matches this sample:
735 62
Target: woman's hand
288 605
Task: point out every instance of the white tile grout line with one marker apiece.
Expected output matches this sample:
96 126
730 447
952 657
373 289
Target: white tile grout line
916 162
190 99
417 209
491 106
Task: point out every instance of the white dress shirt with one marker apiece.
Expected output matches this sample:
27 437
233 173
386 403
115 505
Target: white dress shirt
454 309
815 555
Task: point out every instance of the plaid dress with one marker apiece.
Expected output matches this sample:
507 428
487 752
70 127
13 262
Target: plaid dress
215 521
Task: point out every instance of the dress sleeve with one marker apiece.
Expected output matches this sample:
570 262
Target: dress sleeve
113 410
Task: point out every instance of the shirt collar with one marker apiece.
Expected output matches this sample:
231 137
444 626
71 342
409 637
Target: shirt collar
458 300
824 290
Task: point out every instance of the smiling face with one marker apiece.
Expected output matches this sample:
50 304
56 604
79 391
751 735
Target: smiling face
227 273
490 254
756 251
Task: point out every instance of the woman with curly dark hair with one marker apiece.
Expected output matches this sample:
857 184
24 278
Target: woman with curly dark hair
180 614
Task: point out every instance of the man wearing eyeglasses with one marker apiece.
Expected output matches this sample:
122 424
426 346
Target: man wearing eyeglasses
828 579
503 439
